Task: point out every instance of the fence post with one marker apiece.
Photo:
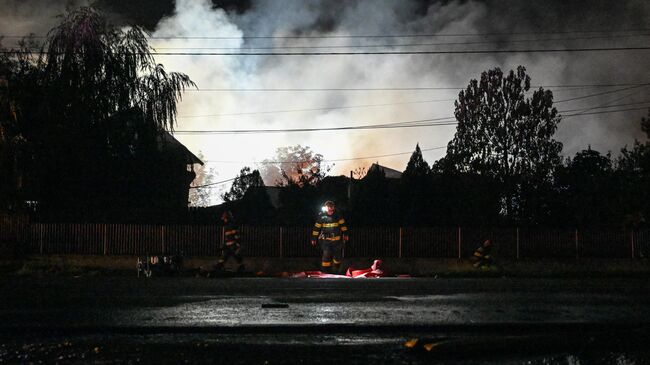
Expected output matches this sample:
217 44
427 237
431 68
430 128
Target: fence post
399 254
162 238
460 240
577 256
104 238
40 237
517 243
281 243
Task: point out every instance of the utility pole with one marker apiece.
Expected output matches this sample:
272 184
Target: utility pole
350 187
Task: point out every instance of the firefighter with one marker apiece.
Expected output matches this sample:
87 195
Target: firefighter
482 257
231 246
330 231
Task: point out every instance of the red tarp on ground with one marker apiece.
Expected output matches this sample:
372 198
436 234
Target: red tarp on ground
373 272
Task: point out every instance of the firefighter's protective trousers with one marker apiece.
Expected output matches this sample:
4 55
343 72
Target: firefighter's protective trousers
231 246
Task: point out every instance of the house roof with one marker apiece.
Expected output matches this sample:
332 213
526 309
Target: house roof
166 137
388 172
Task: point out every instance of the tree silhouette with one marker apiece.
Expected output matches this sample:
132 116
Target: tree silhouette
416 195
298 203
375 200
633 169
417 166
586 190
505 135
242 183
465 198
297 164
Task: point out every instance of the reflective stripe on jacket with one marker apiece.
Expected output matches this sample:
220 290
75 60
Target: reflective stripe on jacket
329 227
231 234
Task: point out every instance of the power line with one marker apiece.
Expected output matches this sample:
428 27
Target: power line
378 105
211 184
408 124
291 162
407 88
405 35
371 53
326 89
313 109
606 112
440 52
428 35
583 110
531 40
442 121
264 162
601 93
389 45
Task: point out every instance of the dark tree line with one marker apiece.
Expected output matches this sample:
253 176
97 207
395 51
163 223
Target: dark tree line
588 189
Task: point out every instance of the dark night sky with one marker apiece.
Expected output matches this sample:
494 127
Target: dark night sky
147 13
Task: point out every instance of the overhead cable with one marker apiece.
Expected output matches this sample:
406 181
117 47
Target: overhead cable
396 53
442 121
405 88
264 162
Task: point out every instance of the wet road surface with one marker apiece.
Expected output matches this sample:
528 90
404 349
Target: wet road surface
273 320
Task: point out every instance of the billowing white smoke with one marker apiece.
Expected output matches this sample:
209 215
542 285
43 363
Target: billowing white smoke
388 17
194 18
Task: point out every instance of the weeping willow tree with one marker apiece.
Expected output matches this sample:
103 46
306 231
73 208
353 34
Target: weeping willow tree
99 108
99 71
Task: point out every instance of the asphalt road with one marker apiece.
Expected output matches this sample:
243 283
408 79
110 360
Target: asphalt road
253 320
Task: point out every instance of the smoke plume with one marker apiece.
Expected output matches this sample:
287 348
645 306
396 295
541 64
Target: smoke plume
510 24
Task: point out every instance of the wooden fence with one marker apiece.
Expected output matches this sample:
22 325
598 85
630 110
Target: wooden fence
274 241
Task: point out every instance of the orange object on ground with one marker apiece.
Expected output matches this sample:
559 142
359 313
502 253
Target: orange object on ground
373 272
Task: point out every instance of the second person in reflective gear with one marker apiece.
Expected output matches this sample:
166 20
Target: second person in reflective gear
330 231
231 246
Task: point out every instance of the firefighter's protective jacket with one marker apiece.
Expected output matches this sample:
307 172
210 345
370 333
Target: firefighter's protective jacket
231 234
483 252
329 227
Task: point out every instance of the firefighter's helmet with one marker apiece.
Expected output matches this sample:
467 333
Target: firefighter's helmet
226 215
328 206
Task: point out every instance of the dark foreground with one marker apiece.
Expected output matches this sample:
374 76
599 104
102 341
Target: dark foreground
316 321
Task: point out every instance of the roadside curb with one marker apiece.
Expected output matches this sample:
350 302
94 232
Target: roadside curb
76 265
